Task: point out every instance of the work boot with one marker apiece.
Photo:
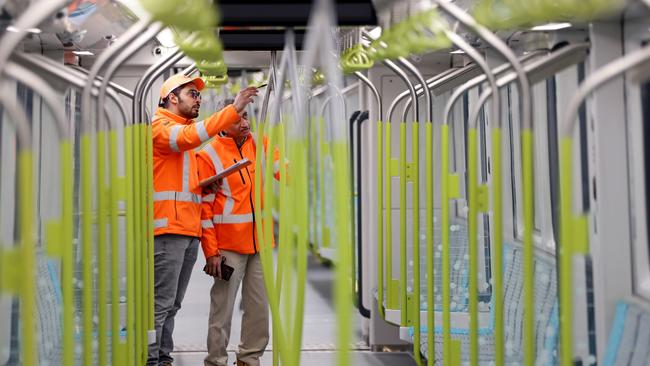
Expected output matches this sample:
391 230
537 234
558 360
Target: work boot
239 363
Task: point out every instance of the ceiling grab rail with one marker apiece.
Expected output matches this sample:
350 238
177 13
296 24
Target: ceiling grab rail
146 81
59 231
88 133
574 235
98 80
527 160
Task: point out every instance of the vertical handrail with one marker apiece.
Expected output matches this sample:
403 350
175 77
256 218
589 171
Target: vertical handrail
415 172
19 263
106 199
527 158
86 190
59 236
574 237
380 193
403 180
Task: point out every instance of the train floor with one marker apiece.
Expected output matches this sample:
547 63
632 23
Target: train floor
319 335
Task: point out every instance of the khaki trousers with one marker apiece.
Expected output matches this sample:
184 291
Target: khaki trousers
255 320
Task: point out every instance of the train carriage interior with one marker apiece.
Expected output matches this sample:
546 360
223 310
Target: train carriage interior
442 182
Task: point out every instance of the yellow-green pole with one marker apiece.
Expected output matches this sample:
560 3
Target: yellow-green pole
497 245
149 227
299 167
27 247
380 222
324 150
472 176
130 246
428 163
67 258
446 275
343 285
529 269
137 244
402 224
566 252
86 245
389 223
117 346
102 273
415 142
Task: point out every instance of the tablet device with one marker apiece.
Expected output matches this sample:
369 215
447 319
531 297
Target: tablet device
241 164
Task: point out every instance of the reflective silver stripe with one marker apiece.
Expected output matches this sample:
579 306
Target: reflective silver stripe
160 223
186 172
225 187
177 196
232 219
209 198
173 135
201 131
207 224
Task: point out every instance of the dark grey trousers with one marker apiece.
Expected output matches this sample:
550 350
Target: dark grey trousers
174 257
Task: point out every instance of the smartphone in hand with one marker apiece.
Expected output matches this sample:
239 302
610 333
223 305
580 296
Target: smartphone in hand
226 270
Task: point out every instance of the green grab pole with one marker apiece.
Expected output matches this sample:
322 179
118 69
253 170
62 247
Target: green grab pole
117 346
286 237
143 241
67 258
497 243
144 237
380 223
428 163
402 224
314 184
28 257
472 177
301 220
266 250
446 275
102 272
137 243
343 286
565 252
130 249
322 145
86 245
389 223
528 252
415 139
149 226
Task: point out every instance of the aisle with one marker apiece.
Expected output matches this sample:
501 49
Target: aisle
319 339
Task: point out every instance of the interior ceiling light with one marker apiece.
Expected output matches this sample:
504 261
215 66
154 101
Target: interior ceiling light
457 52
551 27
83 53
11 28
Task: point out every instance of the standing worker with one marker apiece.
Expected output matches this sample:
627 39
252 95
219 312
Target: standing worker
228 219
177 195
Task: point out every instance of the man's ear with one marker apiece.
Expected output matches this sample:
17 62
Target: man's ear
173 98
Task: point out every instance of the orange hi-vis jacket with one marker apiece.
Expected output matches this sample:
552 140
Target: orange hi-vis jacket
228 217
177 195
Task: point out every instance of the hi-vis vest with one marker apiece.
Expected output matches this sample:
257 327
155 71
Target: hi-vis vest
228 217
177 195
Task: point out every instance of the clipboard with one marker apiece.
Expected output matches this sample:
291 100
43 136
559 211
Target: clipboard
241 164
